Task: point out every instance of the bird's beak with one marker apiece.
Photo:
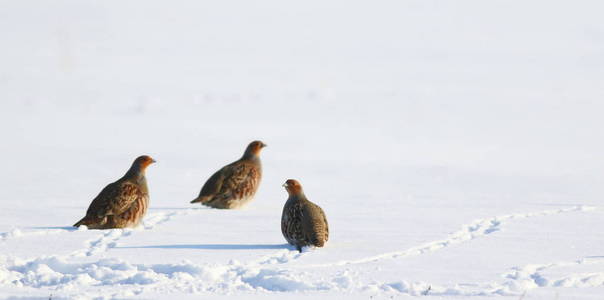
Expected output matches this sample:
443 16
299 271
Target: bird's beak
284 185
153 161
264 145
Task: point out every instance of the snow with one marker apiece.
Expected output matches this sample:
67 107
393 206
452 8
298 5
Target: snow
456 148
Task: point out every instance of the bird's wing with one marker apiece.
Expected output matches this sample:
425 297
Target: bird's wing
314 222
325 222
291 223
99 203
236 179
214 184
114 199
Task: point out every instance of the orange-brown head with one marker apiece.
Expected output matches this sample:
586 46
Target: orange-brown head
293 187
253 149
137 170
142 162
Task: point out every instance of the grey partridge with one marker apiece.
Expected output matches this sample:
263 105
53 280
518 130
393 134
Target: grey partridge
303 223
122 203
235 184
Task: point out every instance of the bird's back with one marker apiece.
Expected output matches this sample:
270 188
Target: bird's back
131 211
232 186
315 224
120 204
304 223
101 203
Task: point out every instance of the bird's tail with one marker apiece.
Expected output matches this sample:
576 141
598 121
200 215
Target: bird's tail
318 238
318 241
88 221
201 199
81 222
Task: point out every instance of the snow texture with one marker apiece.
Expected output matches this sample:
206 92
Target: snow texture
456 148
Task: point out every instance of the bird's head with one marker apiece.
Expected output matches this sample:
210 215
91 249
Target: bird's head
254 148
293 187
143 161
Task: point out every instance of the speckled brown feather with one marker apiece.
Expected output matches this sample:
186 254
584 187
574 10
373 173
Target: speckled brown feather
314 224
303 223
122 203
235 184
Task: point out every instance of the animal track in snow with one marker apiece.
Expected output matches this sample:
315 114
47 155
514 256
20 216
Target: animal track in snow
157 219
152 220
110 237
280 257
518 281
532 276
477 228
266 274
103 243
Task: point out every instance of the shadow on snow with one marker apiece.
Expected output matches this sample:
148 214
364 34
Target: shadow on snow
213 246
69 228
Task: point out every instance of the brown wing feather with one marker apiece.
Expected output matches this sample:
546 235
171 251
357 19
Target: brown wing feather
115 199
100 202
229 185
214 184
291 224
314 224
120 199
132 215
237 180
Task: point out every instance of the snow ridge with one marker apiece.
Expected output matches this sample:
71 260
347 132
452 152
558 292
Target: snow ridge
268 273
63 276
18 233
519 281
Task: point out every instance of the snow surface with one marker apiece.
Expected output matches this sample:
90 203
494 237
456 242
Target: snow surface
455 146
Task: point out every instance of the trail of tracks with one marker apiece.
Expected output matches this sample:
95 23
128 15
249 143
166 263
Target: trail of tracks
476 229
272 271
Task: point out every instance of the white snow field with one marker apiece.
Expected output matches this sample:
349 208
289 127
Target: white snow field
457 147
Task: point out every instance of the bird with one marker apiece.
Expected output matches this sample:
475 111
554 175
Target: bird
303 223
235 184
122 203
